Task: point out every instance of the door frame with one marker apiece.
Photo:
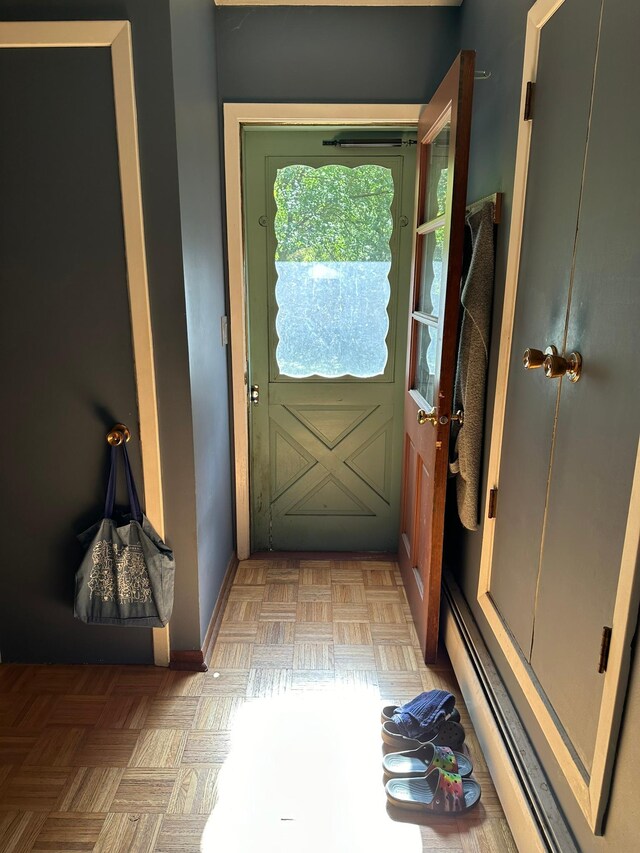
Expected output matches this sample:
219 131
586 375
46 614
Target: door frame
591 791
236 116
116 35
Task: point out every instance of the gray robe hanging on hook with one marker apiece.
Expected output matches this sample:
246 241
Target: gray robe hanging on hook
473 360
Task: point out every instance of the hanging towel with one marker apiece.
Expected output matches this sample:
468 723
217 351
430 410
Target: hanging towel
473 359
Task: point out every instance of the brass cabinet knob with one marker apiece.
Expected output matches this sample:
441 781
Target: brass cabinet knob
118 434
533 358
423 416
556 366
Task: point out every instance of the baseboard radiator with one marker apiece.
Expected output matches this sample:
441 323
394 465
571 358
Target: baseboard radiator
536 822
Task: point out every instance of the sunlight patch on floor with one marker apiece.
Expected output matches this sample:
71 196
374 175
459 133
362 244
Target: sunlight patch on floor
304 774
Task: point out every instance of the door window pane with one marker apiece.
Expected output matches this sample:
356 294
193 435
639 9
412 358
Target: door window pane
431 273
425 366
437 176
333 225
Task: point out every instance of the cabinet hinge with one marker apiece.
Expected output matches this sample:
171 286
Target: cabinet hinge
493 503
605 643
528 103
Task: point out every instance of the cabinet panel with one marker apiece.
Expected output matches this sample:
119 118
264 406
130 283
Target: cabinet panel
561 114
598 417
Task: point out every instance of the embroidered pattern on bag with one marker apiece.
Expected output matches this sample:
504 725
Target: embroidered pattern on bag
119 573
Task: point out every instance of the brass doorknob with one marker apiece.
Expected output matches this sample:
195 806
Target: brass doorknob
533 358
556 366
423 416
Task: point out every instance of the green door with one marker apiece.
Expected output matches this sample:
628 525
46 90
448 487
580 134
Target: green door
328 260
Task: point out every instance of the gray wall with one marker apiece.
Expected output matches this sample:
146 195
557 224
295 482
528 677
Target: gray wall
496 30
333 54
152 47
195 87
65 344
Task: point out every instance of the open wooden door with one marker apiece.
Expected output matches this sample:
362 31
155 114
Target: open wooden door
443 154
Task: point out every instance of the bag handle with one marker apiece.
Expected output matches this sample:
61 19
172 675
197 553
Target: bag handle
134 501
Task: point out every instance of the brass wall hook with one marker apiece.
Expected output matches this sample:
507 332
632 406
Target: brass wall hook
118 434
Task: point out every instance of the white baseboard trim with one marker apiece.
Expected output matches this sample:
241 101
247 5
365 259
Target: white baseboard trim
535 821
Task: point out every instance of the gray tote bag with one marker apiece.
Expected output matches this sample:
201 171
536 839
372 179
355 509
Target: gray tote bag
127 575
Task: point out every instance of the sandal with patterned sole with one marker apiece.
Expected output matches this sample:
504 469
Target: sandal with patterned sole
438 792
420 762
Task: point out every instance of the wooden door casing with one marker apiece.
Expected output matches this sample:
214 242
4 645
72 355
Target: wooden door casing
426 446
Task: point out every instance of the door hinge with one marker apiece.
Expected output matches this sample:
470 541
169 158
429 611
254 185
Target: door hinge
493 503
605 643
528 103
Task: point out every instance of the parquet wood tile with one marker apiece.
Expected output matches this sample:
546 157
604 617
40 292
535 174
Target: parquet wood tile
139 680
273 611
350 613
226 682
246 593
106 748
378 577
239 632
147 791
248 574
77 711
177 712
358 681
217 713
341 572
181 834
128 833
314 592
195 791
313 632
123 712
348 593
32 789
268 682
315 574
312 679
37 712
159 748
55 748
232 656
19 830
356 633
242 611
393 634
354 657
206 748
91 789
386 613
12 708
395 658
277 655
314 611
144 760
15 745
275 633
282 574
67 833
313 656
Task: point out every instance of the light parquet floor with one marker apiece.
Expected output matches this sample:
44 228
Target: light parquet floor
276 748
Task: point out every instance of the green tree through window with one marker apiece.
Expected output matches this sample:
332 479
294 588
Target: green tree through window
335 213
